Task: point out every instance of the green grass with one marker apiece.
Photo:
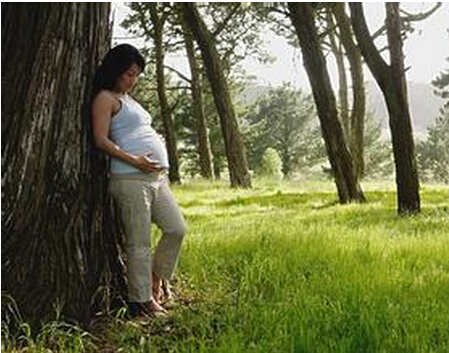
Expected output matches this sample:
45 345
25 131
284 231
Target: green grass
283 268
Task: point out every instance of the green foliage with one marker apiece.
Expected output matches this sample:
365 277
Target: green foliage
139 24
280 119
276 15
271 166
378 154
433 153
441 83
237 34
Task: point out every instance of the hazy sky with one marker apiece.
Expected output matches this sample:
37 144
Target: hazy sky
425 49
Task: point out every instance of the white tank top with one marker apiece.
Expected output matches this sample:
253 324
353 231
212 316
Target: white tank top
131 130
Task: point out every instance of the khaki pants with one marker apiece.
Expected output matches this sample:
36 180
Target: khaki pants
142 199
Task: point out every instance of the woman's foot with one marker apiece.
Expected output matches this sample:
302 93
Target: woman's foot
150 308
154 307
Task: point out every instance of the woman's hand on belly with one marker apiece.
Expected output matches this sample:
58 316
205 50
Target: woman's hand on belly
145 164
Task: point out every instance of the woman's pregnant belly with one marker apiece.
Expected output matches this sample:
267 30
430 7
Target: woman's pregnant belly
150 145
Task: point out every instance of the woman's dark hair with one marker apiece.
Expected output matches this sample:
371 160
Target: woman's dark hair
115 63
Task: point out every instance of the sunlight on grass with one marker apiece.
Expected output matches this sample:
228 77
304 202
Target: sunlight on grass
282 267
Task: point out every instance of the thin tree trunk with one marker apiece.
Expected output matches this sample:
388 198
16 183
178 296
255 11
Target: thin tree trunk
58 237
204 150
339 157
235 151
342 81
169 129
391 80
357 120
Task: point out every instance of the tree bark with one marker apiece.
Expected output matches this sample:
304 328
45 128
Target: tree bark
357 119
342 81
391 80
169 129
339 157
204 150
59 241
235 151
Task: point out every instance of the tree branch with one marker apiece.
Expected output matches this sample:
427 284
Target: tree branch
173 107
278 10
221 26
174 88
127 37
173 44
182 76
374 60
410 18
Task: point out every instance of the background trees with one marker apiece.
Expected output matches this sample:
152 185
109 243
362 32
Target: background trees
235 152
280 119
433 154
341 162
391 80
204 151
234 30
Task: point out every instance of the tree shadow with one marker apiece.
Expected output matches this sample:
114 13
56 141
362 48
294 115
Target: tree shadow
279 200
325 205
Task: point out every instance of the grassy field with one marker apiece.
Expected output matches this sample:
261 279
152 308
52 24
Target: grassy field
283 268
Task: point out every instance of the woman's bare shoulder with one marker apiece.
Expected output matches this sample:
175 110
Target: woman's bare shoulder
106 100
105 96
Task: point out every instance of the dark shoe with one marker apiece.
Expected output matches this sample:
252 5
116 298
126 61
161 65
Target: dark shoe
137 309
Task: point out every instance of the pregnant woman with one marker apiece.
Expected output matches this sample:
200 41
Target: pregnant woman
138 183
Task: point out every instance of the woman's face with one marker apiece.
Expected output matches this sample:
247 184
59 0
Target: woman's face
128 79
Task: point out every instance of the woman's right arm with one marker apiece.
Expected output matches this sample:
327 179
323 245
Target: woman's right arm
102 110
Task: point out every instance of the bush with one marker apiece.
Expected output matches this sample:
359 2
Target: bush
271 166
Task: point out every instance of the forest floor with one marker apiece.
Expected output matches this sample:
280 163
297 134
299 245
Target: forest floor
283 268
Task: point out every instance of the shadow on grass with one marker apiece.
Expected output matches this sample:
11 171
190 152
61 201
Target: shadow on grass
325 205
322 208
276 200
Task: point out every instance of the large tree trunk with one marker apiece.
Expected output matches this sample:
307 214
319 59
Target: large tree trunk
58 242
391 80
339 157
169 129
204 150
235 151
357 120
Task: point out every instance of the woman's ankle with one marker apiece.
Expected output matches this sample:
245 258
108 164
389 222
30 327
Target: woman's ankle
156 287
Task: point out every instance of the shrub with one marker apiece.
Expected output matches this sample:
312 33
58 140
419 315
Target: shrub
271 166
